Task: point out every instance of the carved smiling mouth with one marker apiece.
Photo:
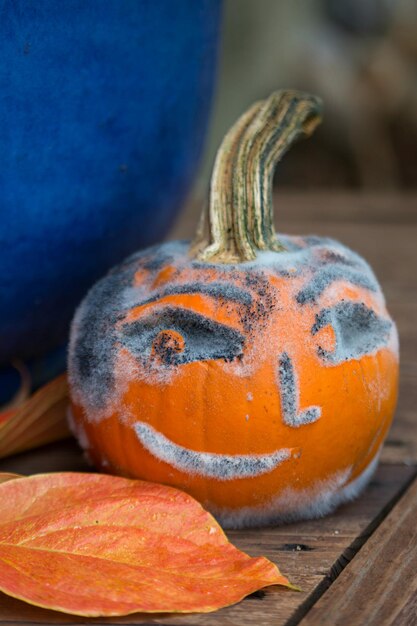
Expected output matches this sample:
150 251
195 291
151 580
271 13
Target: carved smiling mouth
209 464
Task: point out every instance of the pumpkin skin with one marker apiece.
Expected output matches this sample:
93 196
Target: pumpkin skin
264 387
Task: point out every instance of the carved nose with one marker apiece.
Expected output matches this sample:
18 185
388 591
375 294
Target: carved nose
289 388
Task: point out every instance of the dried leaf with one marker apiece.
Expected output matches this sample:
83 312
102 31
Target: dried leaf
39 420
6 414
97 545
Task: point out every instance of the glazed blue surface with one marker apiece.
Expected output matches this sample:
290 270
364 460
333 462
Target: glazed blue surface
103 110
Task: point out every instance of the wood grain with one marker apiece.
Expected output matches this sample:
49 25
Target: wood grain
379 587
321 207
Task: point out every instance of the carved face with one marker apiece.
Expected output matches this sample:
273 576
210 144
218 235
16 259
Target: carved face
264 389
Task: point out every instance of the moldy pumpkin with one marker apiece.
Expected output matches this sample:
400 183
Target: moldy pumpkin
256 371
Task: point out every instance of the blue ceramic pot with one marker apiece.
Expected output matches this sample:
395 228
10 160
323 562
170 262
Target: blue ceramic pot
103 111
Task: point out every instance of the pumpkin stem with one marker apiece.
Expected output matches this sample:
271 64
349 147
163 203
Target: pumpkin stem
239 219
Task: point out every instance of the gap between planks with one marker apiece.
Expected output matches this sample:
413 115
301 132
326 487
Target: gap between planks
357 591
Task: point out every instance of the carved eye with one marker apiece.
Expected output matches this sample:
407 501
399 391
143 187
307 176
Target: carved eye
358 330
176 336
167 346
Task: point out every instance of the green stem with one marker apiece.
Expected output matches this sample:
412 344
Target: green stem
239 219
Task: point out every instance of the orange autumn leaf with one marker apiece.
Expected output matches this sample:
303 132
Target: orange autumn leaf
97 545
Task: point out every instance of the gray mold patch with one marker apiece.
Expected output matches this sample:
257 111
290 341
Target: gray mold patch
218 466
292 416
358 331
215 290
92 348
316 241
266 301
331 273
156 257
204 339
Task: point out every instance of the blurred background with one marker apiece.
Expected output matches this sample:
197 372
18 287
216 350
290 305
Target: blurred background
360 56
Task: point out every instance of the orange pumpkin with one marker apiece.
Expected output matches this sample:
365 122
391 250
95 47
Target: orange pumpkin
256 371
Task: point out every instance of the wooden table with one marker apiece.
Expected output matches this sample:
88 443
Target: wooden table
359 565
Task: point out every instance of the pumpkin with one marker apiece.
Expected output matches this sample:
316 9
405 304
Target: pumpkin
256 371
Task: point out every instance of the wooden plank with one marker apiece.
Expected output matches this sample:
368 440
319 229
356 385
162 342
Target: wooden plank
55 457
401 444
308 552
333 207
379 587
346 206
